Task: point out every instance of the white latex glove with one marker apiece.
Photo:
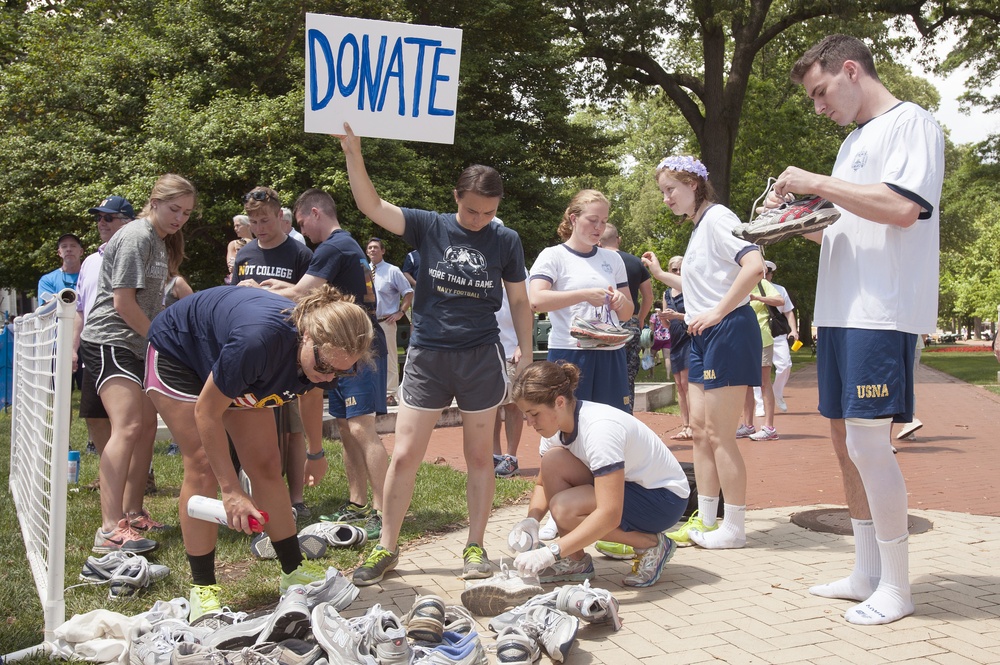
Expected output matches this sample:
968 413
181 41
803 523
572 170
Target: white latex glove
535 561
524 536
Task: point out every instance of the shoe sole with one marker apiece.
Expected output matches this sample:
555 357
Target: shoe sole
616 557
423 629
490 600
569 577
293 625
312 547
107 549
908 432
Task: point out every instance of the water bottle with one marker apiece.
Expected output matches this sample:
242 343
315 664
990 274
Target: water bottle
73 471
212 510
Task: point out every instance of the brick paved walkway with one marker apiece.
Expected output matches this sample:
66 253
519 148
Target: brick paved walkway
752 605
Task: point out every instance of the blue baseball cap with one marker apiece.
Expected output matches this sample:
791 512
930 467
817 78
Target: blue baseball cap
114 205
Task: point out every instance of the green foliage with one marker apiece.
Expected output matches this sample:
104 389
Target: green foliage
99 98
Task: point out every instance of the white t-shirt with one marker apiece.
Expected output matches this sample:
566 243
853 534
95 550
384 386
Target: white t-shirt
87 282
712 261
608 439
877 276
568 270
788 306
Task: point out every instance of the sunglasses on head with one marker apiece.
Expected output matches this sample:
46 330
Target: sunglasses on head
258 195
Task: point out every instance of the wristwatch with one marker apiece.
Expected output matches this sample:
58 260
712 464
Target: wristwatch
556 552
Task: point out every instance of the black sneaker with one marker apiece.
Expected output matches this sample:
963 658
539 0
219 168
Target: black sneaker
379 562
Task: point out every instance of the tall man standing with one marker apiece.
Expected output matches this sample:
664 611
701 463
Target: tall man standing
358 397
273 254
877 290
394 297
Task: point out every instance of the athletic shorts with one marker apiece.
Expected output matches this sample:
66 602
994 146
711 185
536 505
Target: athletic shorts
91 405
171 378
650 510
603 375
767 356
476 378
865 373
361 393
109 362
728 353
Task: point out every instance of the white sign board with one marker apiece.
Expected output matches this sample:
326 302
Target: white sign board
388 80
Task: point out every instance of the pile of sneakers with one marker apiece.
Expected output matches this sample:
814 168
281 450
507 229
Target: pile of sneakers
351 513
125 573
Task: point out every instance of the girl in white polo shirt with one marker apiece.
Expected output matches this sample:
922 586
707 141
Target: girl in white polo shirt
720 271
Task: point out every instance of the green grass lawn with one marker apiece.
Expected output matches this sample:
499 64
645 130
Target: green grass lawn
972 367
248 584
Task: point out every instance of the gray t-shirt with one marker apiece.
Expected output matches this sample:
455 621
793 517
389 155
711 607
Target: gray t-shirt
135 258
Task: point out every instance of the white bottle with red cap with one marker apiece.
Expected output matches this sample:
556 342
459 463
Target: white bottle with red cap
212 510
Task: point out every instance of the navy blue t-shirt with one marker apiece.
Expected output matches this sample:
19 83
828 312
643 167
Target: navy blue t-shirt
287 262
460 281
242 337
340 261
636 273
343 264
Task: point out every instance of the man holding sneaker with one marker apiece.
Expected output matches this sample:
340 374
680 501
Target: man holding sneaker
877 290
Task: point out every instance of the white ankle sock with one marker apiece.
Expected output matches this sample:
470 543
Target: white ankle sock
731 534
892 600
549 530
708 509
863 580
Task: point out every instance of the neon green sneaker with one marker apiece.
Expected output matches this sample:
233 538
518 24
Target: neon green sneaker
379 562
694 522
306 573
204 600
612 550
476 564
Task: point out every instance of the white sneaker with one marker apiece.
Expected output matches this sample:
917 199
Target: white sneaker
499 593
780 403
908 429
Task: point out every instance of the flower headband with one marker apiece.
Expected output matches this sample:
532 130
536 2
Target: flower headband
685 163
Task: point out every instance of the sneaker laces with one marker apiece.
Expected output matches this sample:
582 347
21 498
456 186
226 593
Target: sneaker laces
375 557
208 596
473 553
754 215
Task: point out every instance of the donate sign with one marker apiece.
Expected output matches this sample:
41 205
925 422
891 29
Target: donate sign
388 80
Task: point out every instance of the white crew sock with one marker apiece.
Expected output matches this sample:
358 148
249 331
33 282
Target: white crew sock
892 600
731 534
863 580
549 530
708 509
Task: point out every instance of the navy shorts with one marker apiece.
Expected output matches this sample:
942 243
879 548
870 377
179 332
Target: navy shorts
865 373
361 393
603 375
650 511
728 353
680 356
476 378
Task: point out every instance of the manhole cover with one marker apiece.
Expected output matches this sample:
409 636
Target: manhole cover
838 521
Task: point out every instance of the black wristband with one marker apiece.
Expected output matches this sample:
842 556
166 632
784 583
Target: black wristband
315 456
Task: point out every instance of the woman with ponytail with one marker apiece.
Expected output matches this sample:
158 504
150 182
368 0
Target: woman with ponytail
113 345
604 476
216 361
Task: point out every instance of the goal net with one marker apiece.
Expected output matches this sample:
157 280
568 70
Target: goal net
39 444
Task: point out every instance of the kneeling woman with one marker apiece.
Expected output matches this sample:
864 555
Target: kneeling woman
604 475
214 359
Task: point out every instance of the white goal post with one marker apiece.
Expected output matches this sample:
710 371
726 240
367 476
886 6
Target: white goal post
39 444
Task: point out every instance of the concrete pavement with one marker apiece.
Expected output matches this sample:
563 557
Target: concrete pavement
752 605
